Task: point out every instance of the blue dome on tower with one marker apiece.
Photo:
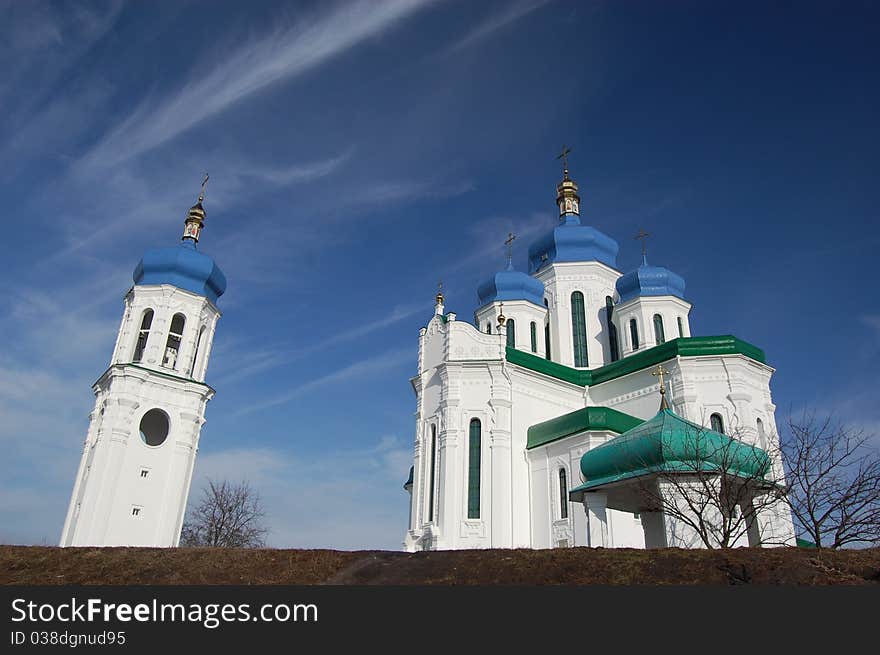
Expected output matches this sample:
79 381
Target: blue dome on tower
572 242
511 285
649 281
184 267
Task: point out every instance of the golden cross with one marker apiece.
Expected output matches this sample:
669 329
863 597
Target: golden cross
204 183
439 296
509 243
564 156
660 372
643 236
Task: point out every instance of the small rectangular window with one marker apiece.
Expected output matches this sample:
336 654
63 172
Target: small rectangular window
145 472
136 511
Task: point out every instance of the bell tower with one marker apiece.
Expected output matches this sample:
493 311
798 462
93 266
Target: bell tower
135 472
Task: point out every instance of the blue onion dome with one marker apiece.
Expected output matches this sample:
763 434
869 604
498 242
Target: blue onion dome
570 241
183 266
649 281
511 285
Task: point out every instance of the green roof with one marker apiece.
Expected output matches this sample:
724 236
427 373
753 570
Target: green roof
681 347
669 443
581 420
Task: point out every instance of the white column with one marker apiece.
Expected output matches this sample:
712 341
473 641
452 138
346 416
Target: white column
595 505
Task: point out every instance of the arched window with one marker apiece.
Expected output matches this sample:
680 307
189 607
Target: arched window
563 494
659 335
172 346
511 333
533 333
432 473
488 328
143 335
634 333
762 437
199 342
717 423
474 448
579 329
613 345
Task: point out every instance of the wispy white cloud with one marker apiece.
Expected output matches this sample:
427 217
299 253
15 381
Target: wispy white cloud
283 54
239 364
365 367
511 13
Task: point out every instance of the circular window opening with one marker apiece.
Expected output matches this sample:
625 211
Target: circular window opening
154 427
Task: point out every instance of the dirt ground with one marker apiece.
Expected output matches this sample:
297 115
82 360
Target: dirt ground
569 566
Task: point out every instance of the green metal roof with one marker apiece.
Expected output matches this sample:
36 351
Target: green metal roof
681 347
581 420
669 443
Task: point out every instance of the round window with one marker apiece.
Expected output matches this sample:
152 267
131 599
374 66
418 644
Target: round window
154 427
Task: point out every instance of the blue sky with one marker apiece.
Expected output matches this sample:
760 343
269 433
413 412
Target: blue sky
360 151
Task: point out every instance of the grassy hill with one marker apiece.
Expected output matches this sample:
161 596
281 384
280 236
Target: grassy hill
155 566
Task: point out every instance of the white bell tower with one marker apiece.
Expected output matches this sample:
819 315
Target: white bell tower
140 449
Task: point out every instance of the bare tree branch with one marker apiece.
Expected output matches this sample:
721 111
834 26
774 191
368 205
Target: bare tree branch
227 516
834 476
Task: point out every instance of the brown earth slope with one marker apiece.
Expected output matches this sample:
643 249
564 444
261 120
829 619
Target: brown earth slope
42 565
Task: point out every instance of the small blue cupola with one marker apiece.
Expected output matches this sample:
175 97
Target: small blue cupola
183 266
511 285
570 241
649 281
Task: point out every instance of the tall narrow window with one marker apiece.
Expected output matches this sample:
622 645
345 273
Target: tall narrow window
717 423
143 335
613 344
172 346
659 335
680 327
579 329
762 438
431 477
488 328
634 333
547 341
192 366
474 448
533 333
511 333
563 495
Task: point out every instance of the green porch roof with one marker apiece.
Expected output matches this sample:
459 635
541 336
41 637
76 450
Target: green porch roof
581 420
669 443
681 347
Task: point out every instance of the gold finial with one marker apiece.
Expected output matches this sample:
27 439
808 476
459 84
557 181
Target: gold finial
509 243
660 372
501 317
195 218
567 198
643 237
439 297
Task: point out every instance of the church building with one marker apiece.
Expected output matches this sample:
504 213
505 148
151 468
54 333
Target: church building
537 425
140 449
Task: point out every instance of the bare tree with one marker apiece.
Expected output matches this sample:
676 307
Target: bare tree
716 492
834 476
227 516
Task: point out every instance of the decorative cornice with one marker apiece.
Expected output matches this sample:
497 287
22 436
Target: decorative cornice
680 347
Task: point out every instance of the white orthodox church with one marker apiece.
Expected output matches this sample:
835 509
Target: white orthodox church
143 435
537 426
